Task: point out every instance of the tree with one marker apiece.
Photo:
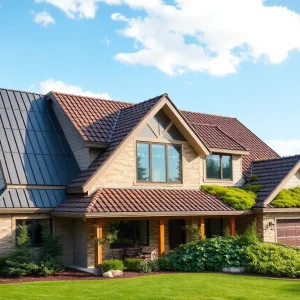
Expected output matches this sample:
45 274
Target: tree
21 260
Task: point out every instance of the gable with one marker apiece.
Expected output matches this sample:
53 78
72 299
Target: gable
294 181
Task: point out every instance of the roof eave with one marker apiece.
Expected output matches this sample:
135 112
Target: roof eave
230 151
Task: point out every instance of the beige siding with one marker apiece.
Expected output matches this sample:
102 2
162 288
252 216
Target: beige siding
237 175
74 139
266 224
293 182
122 171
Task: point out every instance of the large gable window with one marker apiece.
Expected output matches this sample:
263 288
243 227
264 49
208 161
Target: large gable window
158 162
218 166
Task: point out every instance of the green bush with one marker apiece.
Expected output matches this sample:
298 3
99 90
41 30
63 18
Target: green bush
112 264
251 236
274 260
2 262
154 265
165 263
253 177
253 187
21 261
287 198
212 254
145 266
132 264
51 254
237 198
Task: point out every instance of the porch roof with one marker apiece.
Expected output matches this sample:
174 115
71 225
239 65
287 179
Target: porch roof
134 200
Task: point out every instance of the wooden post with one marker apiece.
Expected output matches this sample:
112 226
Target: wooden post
98 246
202 228
232 226
161 237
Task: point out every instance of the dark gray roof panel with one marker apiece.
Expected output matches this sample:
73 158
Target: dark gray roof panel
31 198
33 149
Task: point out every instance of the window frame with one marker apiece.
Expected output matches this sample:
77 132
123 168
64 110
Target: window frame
32 240
122 244
167 163
221 168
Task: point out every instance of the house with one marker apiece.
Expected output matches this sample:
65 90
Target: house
83 167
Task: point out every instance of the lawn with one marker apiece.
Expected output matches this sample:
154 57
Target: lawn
169 286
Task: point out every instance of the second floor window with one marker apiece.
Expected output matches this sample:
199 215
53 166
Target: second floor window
218 166
158 162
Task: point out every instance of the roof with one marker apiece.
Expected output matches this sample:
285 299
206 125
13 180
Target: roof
93 118
270 174
111 200
214 137
33 148
32 198
237 131
126 121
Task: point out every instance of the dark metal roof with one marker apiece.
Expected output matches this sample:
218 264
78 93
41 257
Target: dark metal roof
33 149
32 198
270 173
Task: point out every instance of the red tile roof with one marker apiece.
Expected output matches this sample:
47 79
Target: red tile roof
93 118
111 121
214 137
108 200
127 119
235 129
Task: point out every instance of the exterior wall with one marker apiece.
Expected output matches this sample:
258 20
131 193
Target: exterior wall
122 171
266 224
242 223
293 182
75 141
237 175
64 228
8 230
79 242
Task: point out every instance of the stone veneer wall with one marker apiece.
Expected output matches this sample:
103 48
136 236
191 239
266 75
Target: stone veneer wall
8 229
266 224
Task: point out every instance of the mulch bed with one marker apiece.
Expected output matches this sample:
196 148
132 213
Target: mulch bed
70 274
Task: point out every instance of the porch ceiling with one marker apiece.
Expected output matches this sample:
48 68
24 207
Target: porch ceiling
106 201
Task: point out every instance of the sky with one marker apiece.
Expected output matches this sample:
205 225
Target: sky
238 58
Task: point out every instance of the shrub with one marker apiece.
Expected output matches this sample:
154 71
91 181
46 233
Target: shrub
112 264
145 266
21 261
132 264
253 187
237 198
287 198
154 265
212 254
2 262
251 236
165 263
193 230
51 254
274 260
253 177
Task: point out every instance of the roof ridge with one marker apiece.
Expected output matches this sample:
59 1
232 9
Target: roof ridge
90 97
22 91
277 158
115 124
198 112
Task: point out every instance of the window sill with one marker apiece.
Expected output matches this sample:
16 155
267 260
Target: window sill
230 181
158 183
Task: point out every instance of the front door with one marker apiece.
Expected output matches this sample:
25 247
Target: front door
176 233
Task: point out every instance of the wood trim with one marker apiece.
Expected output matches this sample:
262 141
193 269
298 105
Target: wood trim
202 228
161 237
170 110
98 246
35 187
232 226
98 145
153 130
160 140
277 210
280 186
228 151
166 129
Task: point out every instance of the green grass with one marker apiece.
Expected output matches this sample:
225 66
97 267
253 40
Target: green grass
170 286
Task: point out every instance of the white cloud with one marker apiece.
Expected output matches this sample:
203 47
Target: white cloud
78 9
106 40
59 86
284 148
43 18
208 36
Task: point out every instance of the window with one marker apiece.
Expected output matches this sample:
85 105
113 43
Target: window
218 166
36 228
158 162
131 233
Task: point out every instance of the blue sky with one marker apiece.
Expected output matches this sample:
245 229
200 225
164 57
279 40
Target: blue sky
244 65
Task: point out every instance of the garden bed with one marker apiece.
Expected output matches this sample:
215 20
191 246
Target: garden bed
69 274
